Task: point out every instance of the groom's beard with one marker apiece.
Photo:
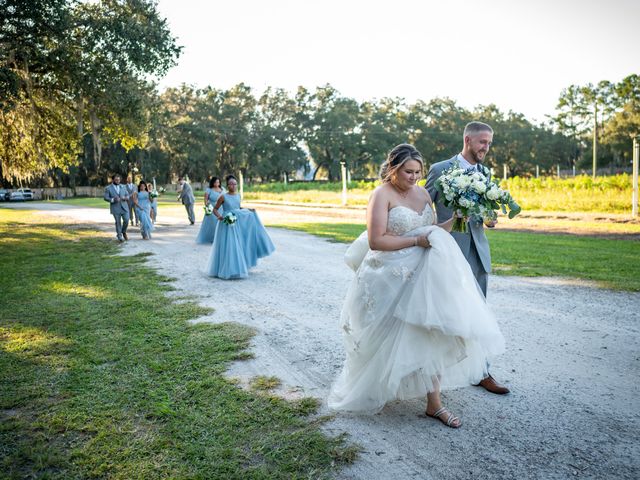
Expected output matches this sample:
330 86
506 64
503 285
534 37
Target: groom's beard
477 157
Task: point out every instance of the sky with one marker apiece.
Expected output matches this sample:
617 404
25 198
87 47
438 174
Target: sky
517 54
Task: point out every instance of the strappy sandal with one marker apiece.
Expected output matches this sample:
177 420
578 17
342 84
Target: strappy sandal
451 419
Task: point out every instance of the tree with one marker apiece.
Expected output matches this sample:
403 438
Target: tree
114 46
624 123
436 127
65 63
335 133
36 121
384 125
277 136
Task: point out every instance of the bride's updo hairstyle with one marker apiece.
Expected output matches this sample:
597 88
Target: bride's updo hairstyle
397 157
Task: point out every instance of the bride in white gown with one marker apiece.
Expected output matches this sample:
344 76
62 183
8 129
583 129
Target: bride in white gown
414 319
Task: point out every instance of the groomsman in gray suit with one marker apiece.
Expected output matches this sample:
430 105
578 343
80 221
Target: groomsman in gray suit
474 244
131 188
186 195
118 199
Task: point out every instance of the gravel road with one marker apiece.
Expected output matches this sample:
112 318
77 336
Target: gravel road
572 363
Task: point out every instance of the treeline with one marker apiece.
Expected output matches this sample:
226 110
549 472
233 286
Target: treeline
78 107
74 81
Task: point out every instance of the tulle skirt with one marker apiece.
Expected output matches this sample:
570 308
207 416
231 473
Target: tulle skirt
207 229
414 320
146 225
236 248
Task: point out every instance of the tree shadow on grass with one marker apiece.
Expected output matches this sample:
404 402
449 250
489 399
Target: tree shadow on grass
103 376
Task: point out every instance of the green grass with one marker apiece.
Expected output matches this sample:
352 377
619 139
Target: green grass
166 199
610 263
610 194
102 375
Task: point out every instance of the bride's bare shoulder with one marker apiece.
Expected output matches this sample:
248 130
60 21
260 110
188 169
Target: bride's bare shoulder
424 193
381 191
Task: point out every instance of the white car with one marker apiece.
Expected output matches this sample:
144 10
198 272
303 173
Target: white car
21 194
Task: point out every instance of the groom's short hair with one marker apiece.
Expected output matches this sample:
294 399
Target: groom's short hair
473 128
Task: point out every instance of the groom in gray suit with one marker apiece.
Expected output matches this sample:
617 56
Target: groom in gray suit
118 199
474 244
186 195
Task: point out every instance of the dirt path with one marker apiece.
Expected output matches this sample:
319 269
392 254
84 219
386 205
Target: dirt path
572 362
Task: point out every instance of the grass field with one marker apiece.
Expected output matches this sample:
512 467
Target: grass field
577 194
610 194
103 377
609 263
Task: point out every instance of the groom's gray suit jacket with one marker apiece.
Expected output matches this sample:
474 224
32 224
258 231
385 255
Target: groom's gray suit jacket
186 194
475 232
110 193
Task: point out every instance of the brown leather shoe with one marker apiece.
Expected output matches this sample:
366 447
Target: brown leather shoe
490 385
125 236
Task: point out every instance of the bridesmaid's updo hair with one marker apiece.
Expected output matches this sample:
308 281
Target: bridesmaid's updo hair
229 178
397 157
142 182
212 182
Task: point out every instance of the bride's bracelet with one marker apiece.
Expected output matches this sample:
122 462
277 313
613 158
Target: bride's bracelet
415 241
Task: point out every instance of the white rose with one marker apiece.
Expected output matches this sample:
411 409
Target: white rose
493 193
479 187
463 181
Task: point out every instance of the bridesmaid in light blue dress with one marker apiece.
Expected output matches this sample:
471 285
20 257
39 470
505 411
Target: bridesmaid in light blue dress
154 206
237 247
210 222
142 203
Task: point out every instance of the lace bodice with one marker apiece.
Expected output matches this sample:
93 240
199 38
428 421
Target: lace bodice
404 219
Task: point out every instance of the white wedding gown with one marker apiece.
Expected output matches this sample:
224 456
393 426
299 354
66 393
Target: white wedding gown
411 315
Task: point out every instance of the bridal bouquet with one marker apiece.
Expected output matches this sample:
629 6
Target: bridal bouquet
471 193
208 209
229 218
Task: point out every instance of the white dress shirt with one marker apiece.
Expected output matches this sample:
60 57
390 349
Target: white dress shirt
464 163
117 187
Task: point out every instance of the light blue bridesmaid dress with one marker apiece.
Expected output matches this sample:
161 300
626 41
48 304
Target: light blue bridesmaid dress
236 248
209 222
154 207
144 214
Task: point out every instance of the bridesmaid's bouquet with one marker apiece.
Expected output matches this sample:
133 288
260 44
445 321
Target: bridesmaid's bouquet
229 218
208 209
156 193
472 193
